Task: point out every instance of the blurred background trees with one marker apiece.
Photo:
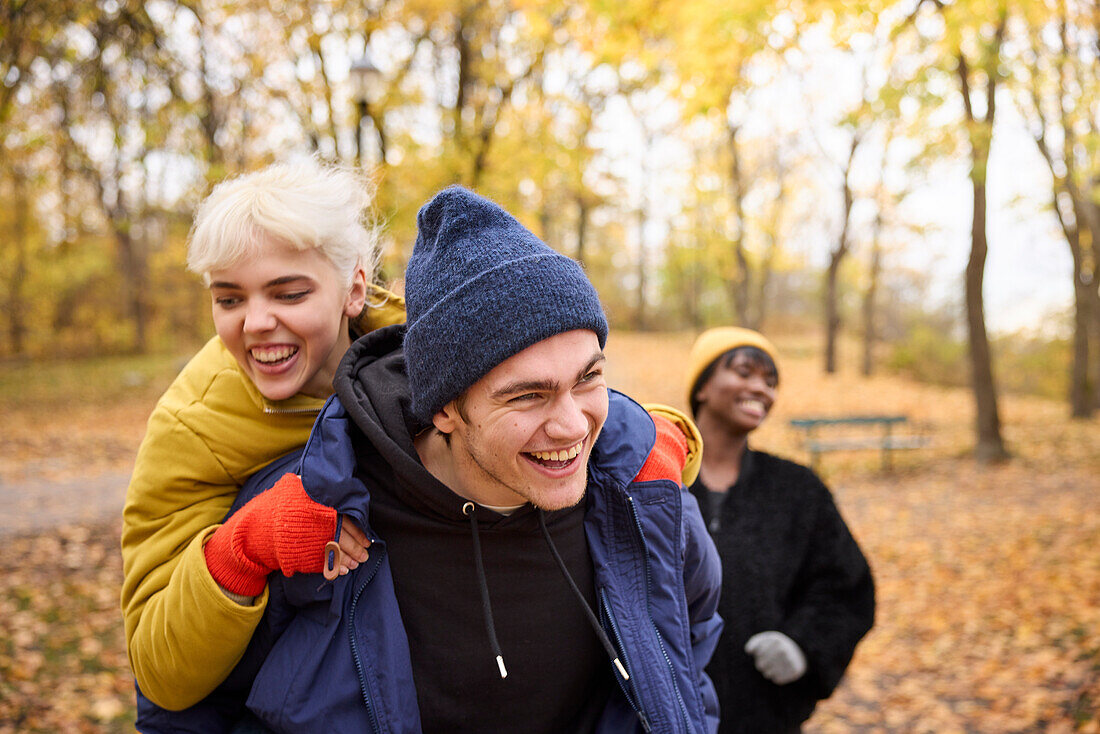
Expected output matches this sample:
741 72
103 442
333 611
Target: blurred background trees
774 164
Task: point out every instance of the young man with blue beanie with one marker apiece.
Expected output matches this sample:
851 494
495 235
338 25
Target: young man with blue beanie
535 563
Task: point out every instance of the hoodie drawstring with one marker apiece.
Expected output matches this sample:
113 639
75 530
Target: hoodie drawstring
469 509
592 621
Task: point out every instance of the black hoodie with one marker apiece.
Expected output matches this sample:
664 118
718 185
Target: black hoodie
558 675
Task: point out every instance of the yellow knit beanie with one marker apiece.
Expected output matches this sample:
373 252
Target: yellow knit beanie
713 343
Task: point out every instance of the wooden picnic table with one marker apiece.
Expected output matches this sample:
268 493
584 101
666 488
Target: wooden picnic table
880 436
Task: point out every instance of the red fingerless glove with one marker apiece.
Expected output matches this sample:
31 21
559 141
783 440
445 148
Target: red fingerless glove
669 454
281 528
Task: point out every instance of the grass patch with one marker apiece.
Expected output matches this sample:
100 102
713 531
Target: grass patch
90 381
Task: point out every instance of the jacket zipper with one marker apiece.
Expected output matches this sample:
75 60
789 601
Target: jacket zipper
375 726
656 631
289 411
633 700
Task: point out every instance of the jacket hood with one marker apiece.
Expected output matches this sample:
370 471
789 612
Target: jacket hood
373 388
371 384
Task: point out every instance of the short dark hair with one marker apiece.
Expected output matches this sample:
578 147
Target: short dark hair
757 358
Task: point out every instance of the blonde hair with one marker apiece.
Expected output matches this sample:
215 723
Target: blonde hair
303 204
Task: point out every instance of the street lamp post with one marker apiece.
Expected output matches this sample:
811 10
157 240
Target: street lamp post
366 88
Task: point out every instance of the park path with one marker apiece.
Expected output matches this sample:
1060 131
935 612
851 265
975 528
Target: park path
34 505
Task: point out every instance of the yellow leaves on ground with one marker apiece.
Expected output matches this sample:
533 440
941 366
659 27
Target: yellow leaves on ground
62 660
988 602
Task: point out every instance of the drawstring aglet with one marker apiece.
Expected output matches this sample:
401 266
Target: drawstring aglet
468 510
622 670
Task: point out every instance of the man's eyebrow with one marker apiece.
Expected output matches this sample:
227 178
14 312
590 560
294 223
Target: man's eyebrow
596 359
525 386
282 280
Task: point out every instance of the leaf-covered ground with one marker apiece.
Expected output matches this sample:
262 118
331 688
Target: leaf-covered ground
988 603
62 656
988 577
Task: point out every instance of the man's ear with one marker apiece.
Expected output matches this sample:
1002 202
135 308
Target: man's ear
357 294
446 420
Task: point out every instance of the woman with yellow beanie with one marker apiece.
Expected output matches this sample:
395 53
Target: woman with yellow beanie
797 593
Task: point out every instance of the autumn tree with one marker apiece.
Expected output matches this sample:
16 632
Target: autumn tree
27 40
122 95
843 245
1056 91
980 134
966 40
16 190
552 139
862 39
715 59
886 227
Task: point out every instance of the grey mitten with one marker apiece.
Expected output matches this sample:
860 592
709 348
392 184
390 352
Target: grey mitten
777 657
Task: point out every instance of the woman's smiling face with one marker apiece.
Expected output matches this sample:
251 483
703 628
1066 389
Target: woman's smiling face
740 392
283 314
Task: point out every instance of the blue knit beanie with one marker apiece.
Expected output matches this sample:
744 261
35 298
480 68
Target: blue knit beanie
479 288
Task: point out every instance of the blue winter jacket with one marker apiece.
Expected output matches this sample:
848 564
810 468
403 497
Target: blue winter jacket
342 664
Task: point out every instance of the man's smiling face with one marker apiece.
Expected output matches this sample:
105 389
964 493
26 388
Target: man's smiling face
524 432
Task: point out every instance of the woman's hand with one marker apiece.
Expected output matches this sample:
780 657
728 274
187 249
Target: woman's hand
347 552
777 657
281 529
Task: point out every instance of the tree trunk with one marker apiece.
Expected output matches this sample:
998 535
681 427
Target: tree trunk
582 228
1080 388
462 46
376 119
990 446
836 257
1083 395
767 263
70 219
1092 288
210 118
739 283
17 325
869 334
1081 398
1092 297
763 280
691 295
832 317
136 276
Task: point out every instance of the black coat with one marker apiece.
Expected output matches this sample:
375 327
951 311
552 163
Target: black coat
790 564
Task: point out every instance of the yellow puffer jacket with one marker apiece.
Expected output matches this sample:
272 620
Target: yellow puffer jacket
209 432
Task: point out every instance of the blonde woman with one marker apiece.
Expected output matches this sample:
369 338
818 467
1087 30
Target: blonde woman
288 262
